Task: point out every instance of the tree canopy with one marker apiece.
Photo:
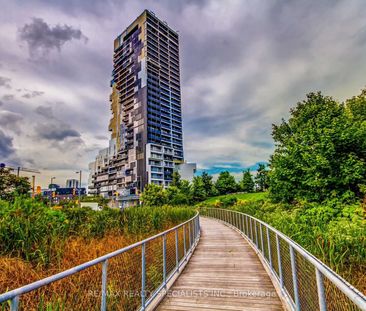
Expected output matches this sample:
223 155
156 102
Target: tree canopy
320 151
11 185
261 178
247 183
226 183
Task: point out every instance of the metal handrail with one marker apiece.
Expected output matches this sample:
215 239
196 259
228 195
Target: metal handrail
245 223
194 235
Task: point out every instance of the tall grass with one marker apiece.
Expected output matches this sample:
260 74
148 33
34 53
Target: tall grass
32 231
36 241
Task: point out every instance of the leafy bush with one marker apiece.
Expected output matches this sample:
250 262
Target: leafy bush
228 201
332 231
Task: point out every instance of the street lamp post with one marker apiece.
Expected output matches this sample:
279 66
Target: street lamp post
79 172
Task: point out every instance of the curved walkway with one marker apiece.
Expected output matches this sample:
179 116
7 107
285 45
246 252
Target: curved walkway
224 273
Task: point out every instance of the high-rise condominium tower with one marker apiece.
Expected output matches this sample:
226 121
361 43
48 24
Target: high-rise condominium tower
146 125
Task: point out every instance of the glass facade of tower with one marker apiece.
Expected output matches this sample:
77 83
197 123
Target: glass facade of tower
146 125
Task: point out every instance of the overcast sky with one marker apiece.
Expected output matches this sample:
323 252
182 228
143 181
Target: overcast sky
243 65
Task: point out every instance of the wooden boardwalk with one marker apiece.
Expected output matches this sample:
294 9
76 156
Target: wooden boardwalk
224 273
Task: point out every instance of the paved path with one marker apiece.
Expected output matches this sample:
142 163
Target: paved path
224 273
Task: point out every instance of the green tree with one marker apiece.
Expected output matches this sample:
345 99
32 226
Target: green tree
12 185
208 184
226 183
176 179
186 189
247 183
198 189
320 151
154 195
176 196
261 178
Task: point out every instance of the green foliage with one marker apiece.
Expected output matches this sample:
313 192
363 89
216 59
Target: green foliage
247 183
176 180
208 184
186 190
154 195
241 197
176 196
33 231
332 231
12 185
226 183
320 151
261 179
198 189
228 201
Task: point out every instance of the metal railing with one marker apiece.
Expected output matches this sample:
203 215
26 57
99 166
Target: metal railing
304 281
127 279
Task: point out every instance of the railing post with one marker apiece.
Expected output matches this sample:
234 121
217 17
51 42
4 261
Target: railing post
294 278
143 276
199 225
321 292
279 261
251 228
269 248
103 306
246 226
14 303
261 233
184 241
164 260
189 236
176 250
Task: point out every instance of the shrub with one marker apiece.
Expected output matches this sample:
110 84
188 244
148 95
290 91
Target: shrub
228 201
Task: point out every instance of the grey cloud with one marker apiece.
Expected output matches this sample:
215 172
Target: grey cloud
5 82
43 38
57 131
243 65
45 111
32 94
6 145
101 137
10 121
8 97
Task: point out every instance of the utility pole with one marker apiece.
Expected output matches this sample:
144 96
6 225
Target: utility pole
79 172
33 185
51 196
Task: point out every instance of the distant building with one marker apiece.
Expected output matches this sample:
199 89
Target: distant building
72 183
186 170
53 186
59 194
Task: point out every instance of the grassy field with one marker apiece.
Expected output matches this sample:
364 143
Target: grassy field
255 196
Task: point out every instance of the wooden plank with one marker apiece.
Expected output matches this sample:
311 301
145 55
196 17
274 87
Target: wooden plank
224 273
